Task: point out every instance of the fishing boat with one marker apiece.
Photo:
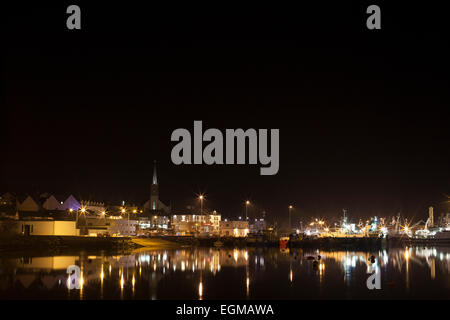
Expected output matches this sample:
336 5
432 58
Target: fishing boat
443 235
284 241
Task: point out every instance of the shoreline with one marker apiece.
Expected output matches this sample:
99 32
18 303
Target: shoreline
54 245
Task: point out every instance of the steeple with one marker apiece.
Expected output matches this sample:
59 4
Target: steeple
155 180
154 193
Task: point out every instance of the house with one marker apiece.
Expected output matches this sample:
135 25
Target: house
70 203
94 206
47 228
51 203
28 204
190 223
237 228
184 224
7 199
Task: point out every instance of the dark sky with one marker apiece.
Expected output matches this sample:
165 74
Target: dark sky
363 115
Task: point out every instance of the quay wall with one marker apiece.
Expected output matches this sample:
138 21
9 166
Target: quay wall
58 244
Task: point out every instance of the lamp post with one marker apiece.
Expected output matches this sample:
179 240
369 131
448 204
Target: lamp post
246 209
290 226
128 222
201 197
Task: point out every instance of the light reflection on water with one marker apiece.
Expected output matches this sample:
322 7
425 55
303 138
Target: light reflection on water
417 272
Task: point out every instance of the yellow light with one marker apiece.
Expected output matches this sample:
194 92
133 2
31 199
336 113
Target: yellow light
103 213
200 197
247 202
290 207
123 210
134 211
81 280
70 210
83 210
200 290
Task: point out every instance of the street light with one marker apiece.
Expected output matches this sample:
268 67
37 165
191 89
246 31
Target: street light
290 226
246 206
128 222
201 197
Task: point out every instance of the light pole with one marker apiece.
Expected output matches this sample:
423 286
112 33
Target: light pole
246 209
104 216
201 197
128 222
290 226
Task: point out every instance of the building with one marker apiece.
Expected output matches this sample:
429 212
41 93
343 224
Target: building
214 220
154 204
70 203
122 227
184 224
258 226
51 203
236 228
7 199
95 226
47 228
94 206
28 204
156 215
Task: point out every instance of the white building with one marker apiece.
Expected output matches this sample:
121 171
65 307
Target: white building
184 224
93 206
48 228
121 227
236 228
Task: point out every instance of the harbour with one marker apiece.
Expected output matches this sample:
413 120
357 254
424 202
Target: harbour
224 273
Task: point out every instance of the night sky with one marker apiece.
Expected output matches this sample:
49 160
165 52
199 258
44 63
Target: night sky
363 115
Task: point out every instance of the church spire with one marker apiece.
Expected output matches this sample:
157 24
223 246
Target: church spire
155 181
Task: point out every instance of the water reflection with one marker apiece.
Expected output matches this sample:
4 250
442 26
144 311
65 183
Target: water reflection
231 273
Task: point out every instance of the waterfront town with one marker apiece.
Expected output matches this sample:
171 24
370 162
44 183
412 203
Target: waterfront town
54 215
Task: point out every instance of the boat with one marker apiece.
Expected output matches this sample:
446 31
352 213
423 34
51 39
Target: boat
284 242
442 235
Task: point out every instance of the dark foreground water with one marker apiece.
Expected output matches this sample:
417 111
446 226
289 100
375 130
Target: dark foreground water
417 272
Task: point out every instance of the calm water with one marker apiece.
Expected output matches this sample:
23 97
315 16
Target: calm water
417 272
